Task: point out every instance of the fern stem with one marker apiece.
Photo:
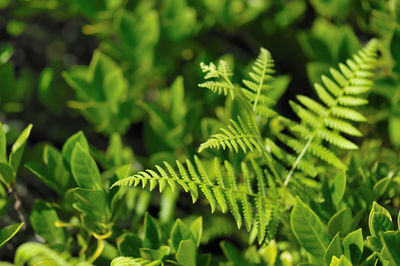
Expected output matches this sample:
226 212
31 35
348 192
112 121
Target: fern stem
18 205
259 88
321 125
298 159
242 99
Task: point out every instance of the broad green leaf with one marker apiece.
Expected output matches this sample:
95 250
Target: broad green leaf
197 230
353 246
109 251
4 200
32 253
340 222
398 220
57 170
70 144
178 105
6 50
394 127
129 245
269 254
391 241
115 87
379 220
139 32
314 47
380 223
204 259
46 93
41 172
125 261
179 20
343 261
334 249
43 220
6 233
94 209
155 254
17 150
309 230
349 44
180 231
339 186
315 70
233 254
375 243
186 254
395 49
381 186
397 10
7 175
84 169
331 8
151 233
3 145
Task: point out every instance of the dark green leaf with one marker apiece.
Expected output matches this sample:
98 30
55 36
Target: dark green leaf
7 175
70 144
129 245
84 169
309 230
180 231
151 233
6 233
391 249
340 222
197 230
43 220
3 145
334 249
94 209
186 254
353 245
17 150
339 186
395 49
379 220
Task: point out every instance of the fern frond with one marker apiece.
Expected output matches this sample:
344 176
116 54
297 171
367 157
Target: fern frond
218 87
220 186
253 96
261 78
222 73
237 135
334 115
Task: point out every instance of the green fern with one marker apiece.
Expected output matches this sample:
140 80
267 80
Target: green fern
329 120
222 73
238 135
320 124
220 186
254 95
261 78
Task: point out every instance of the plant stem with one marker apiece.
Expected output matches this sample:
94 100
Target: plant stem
17 205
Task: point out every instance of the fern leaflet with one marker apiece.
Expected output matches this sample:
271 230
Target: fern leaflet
219 186
327 121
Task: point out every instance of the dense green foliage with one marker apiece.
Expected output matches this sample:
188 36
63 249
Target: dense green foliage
286 114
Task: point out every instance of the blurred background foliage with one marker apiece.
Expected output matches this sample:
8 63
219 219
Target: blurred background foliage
125 72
